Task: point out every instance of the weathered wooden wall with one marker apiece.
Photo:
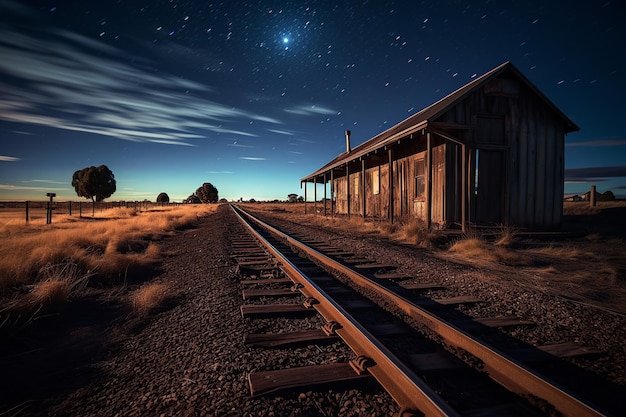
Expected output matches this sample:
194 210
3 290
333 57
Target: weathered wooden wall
515 163
532 149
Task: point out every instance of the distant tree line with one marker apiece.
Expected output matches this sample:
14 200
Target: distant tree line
206 193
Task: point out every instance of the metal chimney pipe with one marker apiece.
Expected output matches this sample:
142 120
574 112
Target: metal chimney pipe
348 149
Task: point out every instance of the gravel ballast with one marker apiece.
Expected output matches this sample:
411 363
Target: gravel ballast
189 359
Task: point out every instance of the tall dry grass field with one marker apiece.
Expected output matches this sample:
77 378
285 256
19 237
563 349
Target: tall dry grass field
50 260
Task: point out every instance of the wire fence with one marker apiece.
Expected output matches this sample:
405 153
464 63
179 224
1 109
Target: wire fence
37 210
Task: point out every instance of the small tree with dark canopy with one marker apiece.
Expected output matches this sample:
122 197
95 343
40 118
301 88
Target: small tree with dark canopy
207 193
192 199
606 196
95 183
163 198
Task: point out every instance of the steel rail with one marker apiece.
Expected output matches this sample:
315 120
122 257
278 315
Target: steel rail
503 369
411 393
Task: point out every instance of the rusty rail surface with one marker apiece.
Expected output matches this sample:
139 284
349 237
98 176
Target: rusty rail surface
506 371
408 390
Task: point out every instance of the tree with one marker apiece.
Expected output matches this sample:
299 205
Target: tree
207 193
606 196
96 183
192 199
163 198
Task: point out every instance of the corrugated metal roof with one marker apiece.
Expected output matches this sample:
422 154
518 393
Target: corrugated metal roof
420 119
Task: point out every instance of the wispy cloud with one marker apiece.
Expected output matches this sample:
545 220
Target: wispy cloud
281 132
594 173
219 172
10 187
9 158
47 181
600 142
253 158
310 110
68 81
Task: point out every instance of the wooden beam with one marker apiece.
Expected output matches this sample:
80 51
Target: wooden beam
315 195
348 188
266 382
446 136
443 125
272 340
363 199
324 194
429 181
391 193
332 192
304 197
464 186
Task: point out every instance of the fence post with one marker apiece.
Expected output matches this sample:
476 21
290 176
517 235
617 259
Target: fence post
80 209
49 211
69 207
27 211
592 196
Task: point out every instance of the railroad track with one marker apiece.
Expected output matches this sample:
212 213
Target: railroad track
419 370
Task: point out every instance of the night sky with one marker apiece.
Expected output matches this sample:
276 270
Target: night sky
251 96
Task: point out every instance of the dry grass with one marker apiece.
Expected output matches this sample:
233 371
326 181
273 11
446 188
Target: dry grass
411 231
149 297
478 252
590 270
50 292
42 266
110 245
582 208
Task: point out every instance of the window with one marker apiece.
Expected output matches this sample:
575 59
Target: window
420 179
376 181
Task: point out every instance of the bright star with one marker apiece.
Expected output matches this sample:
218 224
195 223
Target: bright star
285 40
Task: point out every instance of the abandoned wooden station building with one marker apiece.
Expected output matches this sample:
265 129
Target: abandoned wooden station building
490 153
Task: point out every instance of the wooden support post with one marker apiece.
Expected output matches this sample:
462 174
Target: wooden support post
429 183
332 192
463 188
348 187
325 197
27 212
315 195
305 197
69 207
363 188
391 191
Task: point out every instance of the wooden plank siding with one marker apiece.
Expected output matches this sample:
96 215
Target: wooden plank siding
533 144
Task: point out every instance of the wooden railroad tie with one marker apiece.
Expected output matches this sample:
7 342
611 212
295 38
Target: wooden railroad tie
272 340
422 286
275 309
375 266
493 322
268 292
262 383
559 350
392 276
266 281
